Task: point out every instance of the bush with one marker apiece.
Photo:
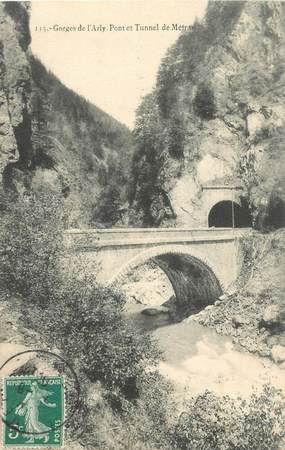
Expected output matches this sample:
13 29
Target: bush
140 426
214 423
151 417
86 321
30 245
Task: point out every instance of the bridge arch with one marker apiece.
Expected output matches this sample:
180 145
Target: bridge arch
194 280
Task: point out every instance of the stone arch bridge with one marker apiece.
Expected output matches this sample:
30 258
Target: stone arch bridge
201 263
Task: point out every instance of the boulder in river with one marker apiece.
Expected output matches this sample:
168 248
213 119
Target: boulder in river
155 311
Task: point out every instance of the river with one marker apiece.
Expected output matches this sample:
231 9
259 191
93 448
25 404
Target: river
197 358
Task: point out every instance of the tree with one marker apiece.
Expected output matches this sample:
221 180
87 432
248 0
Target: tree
108 207
204 102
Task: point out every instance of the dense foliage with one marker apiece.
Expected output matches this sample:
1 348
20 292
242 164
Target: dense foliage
78 314
86 319
72 312
154 141
30 245
108 208
215 423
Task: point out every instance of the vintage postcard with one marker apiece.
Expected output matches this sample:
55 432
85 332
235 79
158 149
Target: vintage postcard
142 214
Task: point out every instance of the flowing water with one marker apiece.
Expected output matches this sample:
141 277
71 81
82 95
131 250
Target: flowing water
197 358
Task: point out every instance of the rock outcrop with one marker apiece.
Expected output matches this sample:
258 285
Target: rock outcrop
254 316
215 117
50 135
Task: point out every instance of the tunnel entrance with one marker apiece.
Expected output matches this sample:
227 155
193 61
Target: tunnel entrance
228 214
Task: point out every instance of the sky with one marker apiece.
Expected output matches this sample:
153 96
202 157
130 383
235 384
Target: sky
114 68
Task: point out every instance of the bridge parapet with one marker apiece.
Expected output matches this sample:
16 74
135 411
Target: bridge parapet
91 239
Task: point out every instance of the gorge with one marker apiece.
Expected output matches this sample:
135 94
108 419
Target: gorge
183 217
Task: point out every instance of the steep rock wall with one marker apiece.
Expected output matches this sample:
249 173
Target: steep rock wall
215 117
15 83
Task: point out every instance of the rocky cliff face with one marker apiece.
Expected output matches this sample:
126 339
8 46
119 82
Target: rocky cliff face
215 117
51 136
15 82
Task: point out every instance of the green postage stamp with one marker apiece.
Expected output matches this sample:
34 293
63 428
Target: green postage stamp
33 411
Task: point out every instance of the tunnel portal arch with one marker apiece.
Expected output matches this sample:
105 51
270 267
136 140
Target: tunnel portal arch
193 279
228 214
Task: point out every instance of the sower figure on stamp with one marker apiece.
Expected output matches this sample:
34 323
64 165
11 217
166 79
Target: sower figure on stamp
30 409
